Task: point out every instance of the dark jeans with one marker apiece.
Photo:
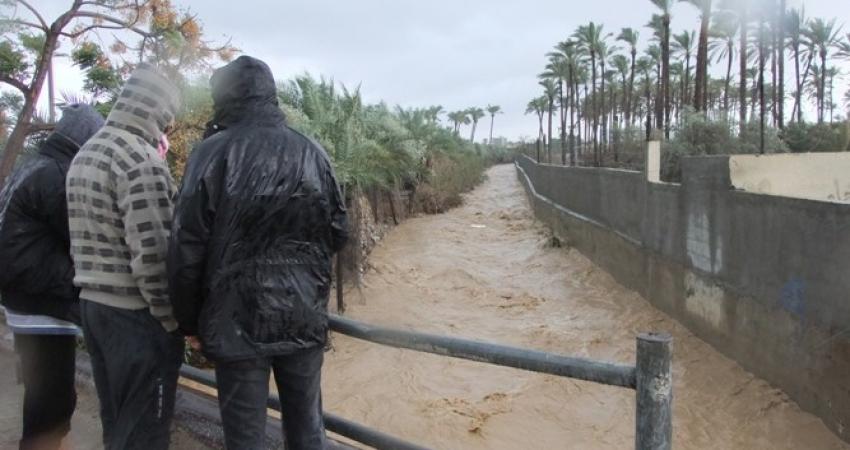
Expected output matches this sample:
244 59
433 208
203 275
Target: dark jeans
135 364
243 388
47 371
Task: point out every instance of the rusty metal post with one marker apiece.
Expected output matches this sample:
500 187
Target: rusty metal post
654 385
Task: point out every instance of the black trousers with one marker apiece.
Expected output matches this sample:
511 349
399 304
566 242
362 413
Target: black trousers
243 388
135 364
47 372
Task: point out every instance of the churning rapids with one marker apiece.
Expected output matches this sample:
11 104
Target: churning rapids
486 271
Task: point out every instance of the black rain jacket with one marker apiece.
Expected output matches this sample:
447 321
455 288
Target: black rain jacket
36 270
258 218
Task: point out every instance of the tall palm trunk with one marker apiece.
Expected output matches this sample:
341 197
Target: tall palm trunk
563 116
700 94
630 95
549 136
686 87
822 104
659 98
648 93
665 68
603 110
774 37
492 119
540 135
595 109
572 101
761 85
742 90
728 80
798 84
781 49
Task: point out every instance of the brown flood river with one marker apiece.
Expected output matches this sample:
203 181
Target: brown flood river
485 271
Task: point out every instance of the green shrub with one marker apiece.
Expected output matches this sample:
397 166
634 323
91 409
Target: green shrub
817 137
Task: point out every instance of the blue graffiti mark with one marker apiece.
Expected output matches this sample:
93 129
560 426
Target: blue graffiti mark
792 297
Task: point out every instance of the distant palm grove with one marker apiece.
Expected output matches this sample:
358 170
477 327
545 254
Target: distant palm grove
606 95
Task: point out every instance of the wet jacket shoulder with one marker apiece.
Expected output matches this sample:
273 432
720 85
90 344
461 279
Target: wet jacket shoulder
36 271
258 217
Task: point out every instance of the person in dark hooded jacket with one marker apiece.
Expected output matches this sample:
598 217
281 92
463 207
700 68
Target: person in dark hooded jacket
36 278
258 218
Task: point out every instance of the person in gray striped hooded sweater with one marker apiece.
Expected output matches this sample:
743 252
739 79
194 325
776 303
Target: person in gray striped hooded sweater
119 193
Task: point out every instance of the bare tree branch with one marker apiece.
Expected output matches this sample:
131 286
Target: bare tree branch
15 83
124 25
39 127
29 24
44 25
89 28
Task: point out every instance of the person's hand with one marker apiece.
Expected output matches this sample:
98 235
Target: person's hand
194 343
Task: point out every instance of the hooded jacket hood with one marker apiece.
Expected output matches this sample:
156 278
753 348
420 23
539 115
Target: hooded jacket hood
147 105
243 89
79 123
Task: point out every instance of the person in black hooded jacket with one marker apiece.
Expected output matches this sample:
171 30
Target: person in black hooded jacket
36 278
258 217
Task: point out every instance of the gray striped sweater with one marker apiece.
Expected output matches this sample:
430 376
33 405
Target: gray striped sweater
120 201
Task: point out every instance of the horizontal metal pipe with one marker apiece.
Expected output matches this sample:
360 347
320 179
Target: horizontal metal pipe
366 435
334 423
532 360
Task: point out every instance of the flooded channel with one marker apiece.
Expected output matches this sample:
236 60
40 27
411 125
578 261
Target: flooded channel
487 271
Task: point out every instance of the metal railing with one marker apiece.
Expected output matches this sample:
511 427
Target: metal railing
651 377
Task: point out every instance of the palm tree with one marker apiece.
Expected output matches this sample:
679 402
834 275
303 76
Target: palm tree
433 113
456 118
567 56
557 71
683 44
843 48
664 18
645 65
475 114
589 38
831 73
780 49
580 78
630 37
823 36
700 100
847 102
743 57
654 54
795 22
677 77
761 55
538 107
723 31
603 53
493 110
550 91
621 64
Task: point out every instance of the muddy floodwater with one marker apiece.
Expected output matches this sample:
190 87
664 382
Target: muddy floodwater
487 271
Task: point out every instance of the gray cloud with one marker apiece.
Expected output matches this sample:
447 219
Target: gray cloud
452 53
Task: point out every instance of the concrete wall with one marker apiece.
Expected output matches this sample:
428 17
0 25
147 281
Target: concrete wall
760 277
815 176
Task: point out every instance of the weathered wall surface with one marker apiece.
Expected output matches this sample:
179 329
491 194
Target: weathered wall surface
762 278
815 176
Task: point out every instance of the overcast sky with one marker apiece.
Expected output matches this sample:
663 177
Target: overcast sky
419 53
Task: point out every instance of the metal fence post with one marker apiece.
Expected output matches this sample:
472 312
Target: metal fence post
654 392
340 302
